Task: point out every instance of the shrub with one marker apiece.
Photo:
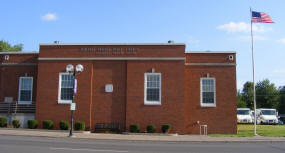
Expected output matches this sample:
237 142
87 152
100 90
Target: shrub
32 124
16 123
165 128
47 124
3 122
134 128
79 126
64 125
150 129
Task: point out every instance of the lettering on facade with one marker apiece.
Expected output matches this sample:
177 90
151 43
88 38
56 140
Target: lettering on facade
110 51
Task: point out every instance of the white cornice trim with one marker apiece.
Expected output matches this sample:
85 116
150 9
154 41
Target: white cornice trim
211 52
19 53
108 44
18 64
110 58
210 64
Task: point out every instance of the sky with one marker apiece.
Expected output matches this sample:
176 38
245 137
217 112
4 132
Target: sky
203 25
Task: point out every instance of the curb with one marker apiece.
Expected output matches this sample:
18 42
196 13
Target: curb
136 136
150 134
44 130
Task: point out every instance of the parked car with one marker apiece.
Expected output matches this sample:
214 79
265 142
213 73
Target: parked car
267 116
280 122
244 115
252 115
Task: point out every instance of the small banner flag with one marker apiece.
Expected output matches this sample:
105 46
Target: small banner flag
75 86
260 17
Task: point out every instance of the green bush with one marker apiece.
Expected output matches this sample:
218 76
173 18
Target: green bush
47 124
16 123
165 128
3 122
134 128
150 129
32 124
79 126
64 125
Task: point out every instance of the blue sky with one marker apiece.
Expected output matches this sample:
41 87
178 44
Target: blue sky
215 25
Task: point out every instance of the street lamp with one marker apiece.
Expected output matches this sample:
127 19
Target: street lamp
70 69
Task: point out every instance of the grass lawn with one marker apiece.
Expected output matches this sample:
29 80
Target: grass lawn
246 130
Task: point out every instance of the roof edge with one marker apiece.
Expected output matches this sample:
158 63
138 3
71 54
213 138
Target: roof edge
211 52
34 52
109 44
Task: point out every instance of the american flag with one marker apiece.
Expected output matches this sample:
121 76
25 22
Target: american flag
260 17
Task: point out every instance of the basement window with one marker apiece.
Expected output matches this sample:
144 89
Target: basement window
65 92
208 92
152 89
25 90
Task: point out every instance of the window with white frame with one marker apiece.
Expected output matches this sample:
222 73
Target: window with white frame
25 90
208 92
152 95
65 93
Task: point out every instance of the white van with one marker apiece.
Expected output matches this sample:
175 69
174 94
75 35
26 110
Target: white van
267 116
244 115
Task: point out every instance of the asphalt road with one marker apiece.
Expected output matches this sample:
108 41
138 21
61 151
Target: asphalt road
28 144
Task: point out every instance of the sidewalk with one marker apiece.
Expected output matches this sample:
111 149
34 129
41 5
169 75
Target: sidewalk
135 137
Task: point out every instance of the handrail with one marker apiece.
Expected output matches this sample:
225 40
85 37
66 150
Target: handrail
15 107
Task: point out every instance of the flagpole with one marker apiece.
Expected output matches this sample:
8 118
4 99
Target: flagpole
254 94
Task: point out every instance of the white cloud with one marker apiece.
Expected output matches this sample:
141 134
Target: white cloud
255 38
233 27
281 41
49 17
282 71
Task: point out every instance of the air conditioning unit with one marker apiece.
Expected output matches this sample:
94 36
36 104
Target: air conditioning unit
8 99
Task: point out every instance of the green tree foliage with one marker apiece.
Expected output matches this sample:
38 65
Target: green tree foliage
267 95
240 102
6 47
281 105
247 94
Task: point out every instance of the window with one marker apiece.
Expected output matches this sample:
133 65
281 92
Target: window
208 92
65 93
25 90
152 90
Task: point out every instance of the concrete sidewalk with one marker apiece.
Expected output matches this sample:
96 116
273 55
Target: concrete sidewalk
136 137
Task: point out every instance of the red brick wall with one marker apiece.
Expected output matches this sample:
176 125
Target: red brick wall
125 105
180 88
9 80
48 107
20 58
172 92
222 118
10 74
141 51
109 107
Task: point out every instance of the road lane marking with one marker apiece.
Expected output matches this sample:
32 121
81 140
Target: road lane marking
90 150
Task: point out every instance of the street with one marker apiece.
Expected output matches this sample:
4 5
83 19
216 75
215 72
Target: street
29 144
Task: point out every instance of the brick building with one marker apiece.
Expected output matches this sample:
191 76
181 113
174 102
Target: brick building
126 84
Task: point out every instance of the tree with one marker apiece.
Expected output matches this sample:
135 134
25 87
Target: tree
247 94
281 105
240 102
267 95
6 47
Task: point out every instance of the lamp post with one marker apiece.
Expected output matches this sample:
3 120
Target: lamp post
70 70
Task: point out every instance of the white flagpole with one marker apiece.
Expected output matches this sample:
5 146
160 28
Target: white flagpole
254 94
